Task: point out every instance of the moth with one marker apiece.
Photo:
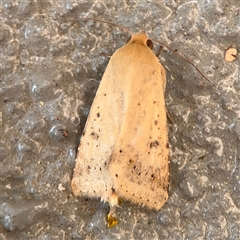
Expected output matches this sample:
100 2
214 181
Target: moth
124 151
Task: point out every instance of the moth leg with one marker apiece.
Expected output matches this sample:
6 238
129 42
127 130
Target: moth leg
159 51
105 55
169 117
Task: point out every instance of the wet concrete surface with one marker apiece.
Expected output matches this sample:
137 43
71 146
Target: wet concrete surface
52 63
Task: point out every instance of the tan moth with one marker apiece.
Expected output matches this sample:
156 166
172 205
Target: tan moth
123 151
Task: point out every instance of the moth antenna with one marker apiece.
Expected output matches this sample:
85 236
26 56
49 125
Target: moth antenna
126 30
113 24
184 58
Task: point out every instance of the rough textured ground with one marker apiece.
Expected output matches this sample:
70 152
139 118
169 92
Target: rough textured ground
52 63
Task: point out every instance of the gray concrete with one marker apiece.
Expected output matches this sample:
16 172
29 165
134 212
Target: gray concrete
51 66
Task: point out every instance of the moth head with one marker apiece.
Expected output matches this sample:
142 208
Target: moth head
142 39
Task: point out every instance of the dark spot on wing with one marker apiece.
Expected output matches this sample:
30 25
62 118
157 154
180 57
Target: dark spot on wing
130 161
94 135
154 144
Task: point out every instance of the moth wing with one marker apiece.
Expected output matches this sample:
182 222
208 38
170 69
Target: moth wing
139 164
91 174
124 144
